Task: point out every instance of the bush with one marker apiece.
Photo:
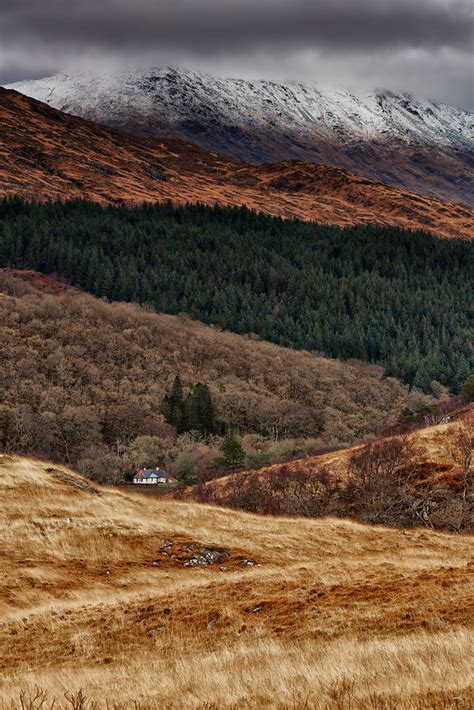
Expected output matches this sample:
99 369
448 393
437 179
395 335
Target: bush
258 460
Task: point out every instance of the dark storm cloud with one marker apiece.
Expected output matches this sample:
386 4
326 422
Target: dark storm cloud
16 71
419 45
209 26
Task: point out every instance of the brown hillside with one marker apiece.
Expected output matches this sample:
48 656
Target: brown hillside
425 477
47 154
101 598
432 441
69 356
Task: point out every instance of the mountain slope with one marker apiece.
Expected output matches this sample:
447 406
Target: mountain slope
418 145
69 359
45 154
98 587
377 294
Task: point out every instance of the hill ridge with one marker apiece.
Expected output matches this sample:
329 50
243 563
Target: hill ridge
415 144
46 154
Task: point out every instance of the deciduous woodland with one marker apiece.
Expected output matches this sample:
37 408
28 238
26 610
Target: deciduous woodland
400 299
83 381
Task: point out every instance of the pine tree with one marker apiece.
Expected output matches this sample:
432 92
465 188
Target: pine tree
467 389
173 406
200 411
192 414
234 454
6 245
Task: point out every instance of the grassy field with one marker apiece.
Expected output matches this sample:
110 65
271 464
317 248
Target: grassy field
102 604
162 489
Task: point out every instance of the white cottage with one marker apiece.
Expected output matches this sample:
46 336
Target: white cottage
153 476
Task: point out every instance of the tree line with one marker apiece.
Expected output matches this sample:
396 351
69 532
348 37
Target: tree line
385 295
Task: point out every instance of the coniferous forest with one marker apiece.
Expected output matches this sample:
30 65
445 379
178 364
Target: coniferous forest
380 294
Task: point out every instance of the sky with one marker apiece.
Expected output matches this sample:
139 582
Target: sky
425 47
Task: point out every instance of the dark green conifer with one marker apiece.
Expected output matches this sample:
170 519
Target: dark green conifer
233 453
467 389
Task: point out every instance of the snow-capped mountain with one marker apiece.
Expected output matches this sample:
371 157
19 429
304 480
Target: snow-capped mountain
417 144
47 154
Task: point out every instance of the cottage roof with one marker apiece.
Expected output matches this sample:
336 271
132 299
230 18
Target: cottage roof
151 473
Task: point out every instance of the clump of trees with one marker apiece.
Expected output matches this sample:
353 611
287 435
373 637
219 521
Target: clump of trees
460 448
195 412
419 412
467 390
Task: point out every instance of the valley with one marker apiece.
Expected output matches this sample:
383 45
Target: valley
256 295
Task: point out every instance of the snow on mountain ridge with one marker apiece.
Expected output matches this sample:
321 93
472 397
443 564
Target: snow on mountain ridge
263 121
364 112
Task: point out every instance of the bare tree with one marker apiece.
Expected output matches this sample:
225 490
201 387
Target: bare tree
381 484
460 450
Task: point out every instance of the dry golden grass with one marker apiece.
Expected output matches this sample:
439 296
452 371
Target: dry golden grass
331 615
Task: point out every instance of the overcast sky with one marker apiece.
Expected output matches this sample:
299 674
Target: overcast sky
422 46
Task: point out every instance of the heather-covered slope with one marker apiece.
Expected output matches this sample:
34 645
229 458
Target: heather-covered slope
98 587
411 143
421 478
46 154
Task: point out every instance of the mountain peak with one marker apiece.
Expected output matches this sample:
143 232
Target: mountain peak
45 154
412 143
